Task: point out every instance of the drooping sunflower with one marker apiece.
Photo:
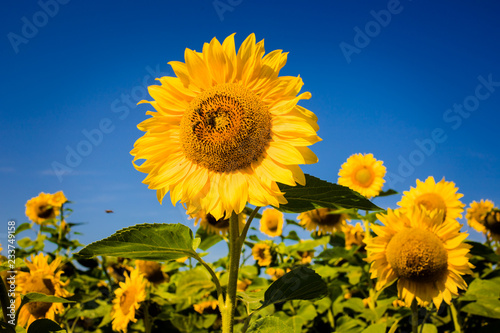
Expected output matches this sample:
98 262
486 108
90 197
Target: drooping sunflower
216 226
262 253
477 212
363 173
431 195
423 251
271 222
152 271
41 208
42 278
322 219
127 299
354 235
226 130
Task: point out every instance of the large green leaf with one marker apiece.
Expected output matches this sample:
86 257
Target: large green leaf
269 325
318 193
300 283
37 297
482 289
487 307
145 241
484 251
207 239
44 326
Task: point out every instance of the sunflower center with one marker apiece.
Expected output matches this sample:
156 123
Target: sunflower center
418 255
219 224
431 201
322 216
363 177
225 128
45 211
43 286
492 222
272 224
127 300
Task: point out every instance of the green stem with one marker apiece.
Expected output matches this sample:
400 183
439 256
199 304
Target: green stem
454 315
247 323
414 316
214 277
243 235
234 263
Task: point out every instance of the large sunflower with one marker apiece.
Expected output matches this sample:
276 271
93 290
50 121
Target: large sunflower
322 219
477 212
226 130
431 195
216 226
363 173
42 278
423 251
42 208
271 222
127 299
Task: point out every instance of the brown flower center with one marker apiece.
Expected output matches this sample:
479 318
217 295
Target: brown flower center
219 224
42 286
322 216
225 128
418 255
45 211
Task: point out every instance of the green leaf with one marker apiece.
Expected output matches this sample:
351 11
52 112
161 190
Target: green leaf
300 283
269 325
387 193
488 307
484 251
376 328
22 227
37 297
429 328
482 289
145 241
319 193
207 240
44 326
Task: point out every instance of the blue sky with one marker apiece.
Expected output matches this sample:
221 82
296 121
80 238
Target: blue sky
415 83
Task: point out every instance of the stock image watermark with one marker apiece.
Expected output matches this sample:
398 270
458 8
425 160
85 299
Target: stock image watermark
30 26
223 6
363 36
454 117
11 273
94 137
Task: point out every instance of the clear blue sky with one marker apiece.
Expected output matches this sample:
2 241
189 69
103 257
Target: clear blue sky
384 76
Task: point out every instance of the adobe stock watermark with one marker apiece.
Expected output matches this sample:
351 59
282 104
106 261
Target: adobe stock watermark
454 117
373 28
30 26
94 137
222 6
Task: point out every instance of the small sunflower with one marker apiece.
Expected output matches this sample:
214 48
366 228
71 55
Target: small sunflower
42 278
271 222
262 253
152 271
216 226
242 285
41 208
226 130
58 199
477 212
423 251
322 219
306 257
354 235
127 299
275 273
364 174
431 195
207 307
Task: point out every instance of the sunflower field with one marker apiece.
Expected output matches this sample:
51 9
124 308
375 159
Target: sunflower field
303 254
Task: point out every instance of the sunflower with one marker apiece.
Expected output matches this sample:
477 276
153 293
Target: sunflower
207 307
41 208
322 219
306 256
271 222
423 251
431 195
127 299
275 273
216 226
354 235
58 199
226 130
477 212
152 271
262 253
363 173
42 278
492 224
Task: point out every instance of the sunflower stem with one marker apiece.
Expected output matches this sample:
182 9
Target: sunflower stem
414 316
235 244
454 315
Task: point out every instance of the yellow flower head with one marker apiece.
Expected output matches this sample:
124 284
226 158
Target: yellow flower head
127 299
242 285
322 219
477 212
354 235
431 195
207 307
226 130
363 173
271 222
58 199
262 253
306 256
42 278
41 208
216 226
423 251
152 271
275 273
